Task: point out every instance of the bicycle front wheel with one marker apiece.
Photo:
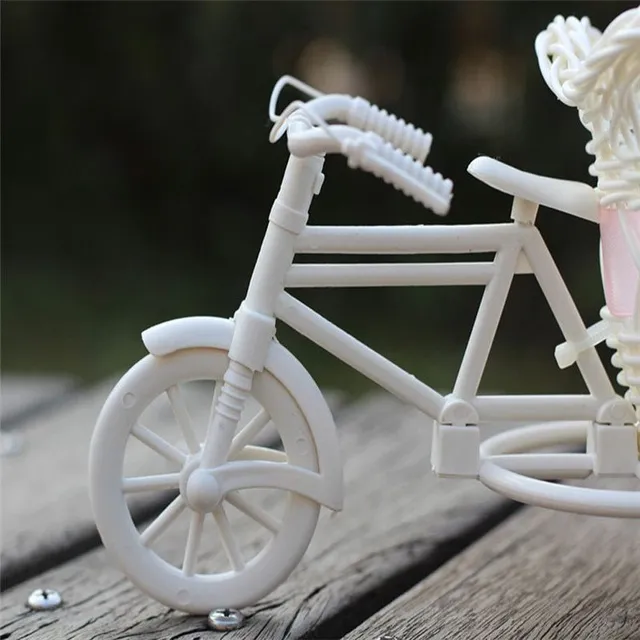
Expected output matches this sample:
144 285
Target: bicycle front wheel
186 559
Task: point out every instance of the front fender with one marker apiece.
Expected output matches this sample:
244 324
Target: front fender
216 333
188 333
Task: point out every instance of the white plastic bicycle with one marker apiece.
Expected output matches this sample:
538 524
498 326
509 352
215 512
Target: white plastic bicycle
244 359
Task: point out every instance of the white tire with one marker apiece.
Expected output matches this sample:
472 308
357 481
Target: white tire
246 580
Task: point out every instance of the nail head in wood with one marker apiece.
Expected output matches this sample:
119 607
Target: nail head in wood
44 600
225 619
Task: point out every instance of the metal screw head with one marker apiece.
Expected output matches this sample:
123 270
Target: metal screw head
225 619
44 600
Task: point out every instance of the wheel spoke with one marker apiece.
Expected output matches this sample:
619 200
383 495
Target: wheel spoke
193 543
247 434
163 521
256 513
158 444
157 482
229 541
182 417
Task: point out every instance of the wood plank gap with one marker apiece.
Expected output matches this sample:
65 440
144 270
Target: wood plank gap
86 540
543 574
68 389
407 576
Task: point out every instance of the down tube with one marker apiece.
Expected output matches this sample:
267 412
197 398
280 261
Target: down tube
357 355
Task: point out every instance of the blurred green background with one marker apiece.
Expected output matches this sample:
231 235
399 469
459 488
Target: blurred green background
137 175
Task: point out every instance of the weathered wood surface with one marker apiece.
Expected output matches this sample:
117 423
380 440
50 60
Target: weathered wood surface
46 510
21 396
539 575
19 393
44 496
399 522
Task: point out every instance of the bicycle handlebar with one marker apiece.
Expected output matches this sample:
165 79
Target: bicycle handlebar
400 134
401 171
361 114
369 152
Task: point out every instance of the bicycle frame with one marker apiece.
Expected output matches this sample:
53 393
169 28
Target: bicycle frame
519 249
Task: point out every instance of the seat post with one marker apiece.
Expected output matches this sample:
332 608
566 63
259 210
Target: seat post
524 211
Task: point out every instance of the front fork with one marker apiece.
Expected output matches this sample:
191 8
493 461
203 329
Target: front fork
255 319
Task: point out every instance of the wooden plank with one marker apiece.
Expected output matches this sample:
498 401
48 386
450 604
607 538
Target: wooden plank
20 397
45 502
19 393
397 517
541 574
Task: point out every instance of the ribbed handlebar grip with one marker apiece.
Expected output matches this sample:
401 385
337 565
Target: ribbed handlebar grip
424 177
400 170
403 135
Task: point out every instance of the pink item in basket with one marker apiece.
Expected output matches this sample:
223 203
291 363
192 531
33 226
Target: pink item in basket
619 272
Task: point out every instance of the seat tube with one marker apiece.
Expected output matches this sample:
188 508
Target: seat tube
524 211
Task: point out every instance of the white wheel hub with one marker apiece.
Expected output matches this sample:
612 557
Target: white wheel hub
203 491
199 487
